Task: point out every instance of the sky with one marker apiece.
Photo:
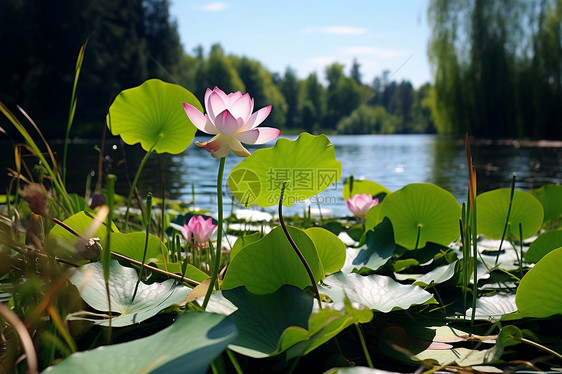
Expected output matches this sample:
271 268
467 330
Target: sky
309 35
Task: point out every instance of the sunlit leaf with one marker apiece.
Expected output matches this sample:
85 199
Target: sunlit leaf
307 164
538 294
378 292
492 208
152 114
379 248
149 300
187 346
544 244
421 213
267 264
330 248
364 186
550 196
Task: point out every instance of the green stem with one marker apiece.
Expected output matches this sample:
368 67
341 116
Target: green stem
474 231
521 249
507 218
134 185
148 213
106 252
234 361
542 347
216 265
364 346
296 248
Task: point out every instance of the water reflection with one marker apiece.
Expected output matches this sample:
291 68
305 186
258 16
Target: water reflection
391 160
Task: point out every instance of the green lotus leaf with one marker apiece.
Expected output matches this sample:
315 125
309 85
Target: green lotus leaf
492 308
189 345
331 249
550 196
307 165
538 294
378 292
149 300
243 241
282 321
544 244
436 276
132 246
267 264
421 208
363 186
152 114
262 319
379 248
492 208
64 243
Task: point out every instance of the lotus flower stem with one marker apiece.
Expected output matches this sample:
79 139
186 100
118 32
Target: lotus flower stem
507 218
296 248
364 346
216 265
148 214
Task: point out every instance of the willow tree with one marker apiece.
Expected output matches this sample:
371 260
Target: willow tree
496 65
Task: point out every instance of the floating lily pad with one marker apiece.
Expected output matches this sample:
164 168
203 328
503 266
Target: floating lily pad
152 114
187 346
494 307
132 246
378 292
492 207
308 165
149 300
538 294
422 208
267 264
63 243
330 248
550 196
544 244
436 276
364 186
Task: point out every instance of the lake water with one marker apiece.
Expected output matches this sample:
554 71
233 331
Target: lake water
390 160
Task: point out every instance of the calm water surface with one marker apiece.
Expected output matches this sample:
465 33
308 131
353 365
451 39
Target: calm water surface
390 160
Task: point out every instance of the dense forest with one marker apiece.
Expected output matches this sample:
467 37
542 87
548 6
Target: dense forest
497 71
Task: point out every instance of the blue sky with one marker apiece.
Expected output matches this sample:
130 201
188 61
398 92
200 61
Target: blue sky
308 35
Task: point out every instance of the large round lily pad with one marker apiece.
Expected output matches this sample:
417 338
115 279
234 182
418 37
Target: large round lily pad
492 208
538 294
544 244
422 208
152 114
308 166
550 196
267 264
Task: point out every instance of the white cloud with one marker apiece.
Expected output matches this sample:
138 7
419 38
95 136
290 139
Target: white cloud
214 7
374 52
335 30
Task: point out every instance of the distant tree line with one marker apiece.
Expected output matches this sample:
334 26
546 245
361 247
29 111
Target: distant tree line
130 41
497 67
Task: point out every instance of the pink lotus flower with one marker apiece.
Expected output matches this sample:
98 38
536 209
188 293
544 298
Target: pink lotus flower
230 119
198 230
360 204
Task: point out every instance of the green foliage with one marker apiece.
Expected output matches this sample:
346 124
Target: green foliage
307 165
152 114
492 214
497 67
188 346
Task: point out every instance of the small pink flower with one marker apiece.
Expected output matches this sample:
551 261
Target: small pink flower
230 119
198 230
360 204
